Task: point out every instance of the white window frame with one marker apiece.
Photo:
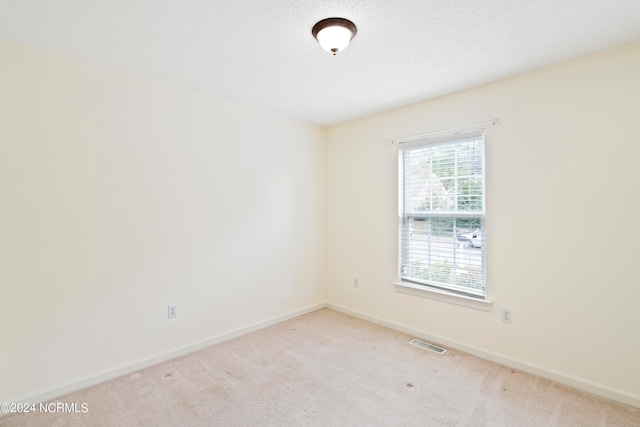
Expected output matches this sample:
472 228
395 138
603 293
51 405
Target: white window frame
449 293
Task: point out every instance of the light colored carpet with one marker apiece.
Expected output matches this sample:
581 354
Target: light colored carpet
329 369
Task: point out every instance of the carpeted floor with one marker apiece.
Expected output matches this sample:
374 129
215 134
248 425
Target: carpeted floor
329 369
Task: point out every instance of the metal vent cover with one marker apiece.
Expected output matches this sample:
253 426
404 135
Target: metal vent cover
428 346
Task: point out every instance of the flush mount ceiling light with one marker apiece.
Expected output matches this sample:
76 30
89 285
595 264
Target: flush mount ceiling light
334 34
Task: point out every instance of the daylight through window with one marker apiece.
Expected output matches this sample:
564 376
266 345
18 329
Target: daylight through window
441 202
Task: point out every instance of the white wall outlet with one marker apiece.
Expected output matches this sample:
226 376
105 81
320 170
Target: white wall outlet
355 283
506 315
171 311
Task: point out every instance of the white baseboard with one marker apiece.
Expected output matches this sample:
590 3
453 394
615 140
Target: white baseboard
67 387
541 371
583 384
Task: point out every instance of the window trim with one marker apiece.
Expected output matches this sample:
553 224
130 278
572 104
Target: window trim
471 300
442 295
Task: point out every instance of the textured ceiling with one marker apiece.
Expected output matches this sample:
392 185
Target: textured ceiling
261 53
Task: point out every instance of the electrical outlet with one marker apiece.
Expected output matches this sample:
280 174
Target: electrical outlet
355 283
171 311
506 315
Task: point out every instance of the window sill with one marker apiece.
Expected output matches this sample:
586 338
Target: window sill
442 295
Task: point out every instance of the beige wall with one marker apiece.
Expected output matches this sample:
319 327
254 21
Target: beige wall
120 196
563 238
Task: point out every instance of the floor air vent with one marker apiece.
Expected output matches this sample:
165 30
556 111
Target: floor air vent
428 346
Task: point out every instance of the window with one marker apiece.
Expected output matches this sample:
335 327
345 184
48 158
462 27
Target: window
441 202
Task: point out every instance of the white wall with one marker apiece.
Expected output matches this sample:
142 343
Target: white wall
563 198
119 196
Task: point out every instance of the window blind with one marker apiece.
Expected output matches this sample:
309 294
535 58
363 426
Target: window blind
441 207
